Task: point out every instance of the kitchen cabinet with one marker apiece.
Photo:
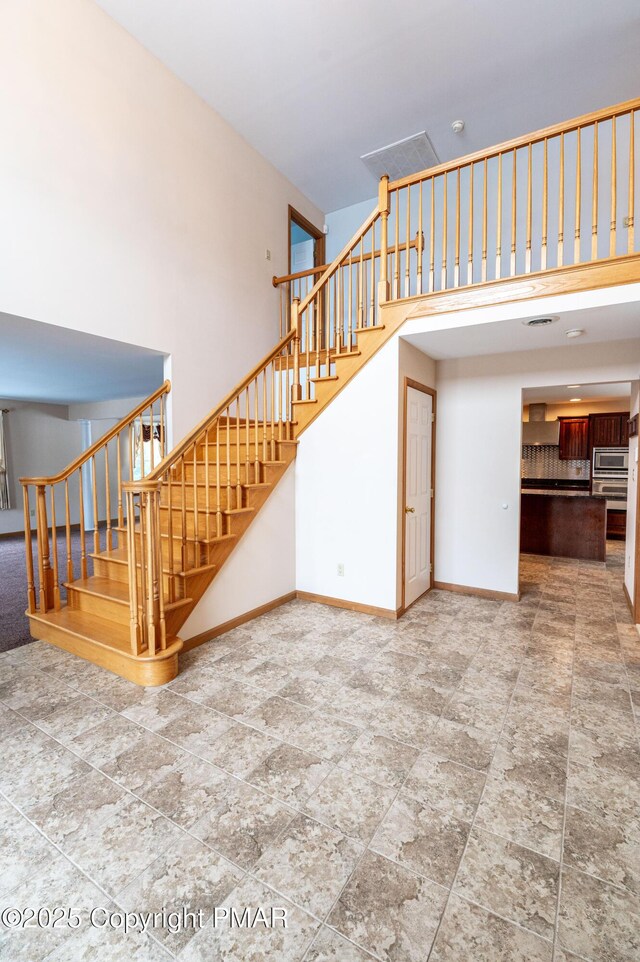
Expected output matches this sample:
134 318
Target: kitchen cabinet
563 525
574 439
608 430
616 524
624 437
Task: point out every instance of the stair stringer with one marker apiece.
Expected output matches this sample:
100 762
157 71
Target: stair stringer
251 577
347 365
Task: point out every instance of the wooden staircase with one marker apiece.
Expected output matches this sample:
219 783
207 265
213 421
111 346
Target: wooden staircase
161 524
95 622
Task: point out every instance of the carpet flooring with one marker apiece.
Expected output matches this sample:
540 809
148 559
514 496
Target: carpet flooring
14 627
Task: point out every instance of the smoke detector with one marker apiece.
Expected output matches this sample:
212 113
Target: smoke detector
457 126
575 332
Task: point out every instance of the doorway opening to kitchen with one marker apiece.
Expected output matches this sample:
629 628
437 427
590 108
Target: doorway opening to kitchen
575 471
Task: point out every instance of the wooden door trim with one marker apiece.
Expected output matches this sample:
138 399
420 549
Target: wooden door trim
316 232
635 608
409 382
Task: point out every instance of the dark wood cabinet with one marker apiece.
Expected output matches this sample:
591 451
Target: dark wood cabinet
624 437
616 524
608 430
574 439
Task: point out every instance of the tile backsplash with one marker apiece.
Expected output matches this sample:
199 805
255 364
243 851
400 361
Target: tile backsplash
543 461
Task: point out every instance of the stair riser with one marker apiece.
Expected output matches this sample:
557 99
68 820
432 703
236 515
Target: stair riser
194 553
98 605
105 568
266 472
274 452
228 499
249 498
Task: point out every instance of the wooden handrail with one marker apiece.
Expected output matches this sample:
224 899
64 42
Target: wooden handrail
323 267
333 266
276 281
538 136
188 441
100 443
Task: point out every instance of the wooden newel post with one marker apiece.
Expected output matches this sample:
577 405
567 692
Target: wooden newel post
44 564
31 591
384 207
296 387
135 627
146 583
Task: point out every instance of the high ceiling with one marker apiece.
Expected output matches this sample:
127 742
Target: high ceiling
315 86
44 362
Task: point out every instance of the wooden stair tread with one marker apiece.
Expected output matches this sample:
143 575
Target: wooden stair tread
102 587
366 330
117 591
191 539
100 631
327 377
121 556
189 485
202 510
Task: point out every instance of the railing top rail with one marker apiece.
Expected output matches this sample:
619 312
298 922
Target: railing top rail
193 435
276 281
565 127
359 234
100 443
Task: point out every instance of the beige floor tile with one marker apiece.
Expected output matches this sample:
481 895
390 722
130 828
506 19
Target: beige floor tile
511 881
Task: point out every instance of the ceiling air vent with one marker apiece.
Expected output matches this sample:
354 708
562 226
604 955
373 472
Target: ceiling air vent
539 321
402 158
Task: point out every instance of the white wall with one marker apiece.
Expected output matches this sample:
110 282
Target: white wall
40 441
260 569
348 484
344 223
478 443
130 209
632 499
346 490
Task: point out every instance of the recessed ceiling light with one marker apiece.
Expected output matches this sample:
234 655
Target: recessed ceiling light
573 387
539 321
575 332
574 399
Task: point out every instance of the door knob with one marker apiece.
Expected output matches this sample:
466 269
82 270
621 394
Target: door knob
409 510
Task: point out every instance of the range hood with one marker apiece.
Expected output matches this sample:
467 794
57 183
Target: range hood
537 430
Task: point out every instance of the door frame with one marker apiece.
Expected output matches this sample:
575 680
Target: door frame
297 218
409 382
635 606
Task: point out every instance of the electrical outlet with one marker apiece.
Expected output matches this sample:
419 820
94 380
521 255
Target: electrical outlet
341 570
32 513
267 254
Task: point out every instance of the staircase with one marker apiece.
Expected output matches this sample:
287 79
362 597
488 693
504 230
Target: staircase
162 524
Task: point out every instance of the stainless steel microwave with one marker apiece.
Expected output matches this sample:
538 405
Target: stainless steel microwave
610 461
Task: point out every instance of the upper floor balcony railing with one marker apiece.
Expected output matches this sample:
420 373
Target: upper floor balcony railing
562 196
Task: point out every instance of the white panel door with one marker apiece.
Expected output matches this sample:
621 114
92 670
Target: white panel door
417 498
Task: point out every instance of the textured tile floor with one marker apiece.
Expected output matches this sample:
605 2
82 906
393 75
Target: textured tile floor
460 786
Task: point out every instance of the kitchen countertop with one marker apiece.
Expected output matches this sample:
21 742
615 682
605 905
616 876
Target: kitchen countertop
559 493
